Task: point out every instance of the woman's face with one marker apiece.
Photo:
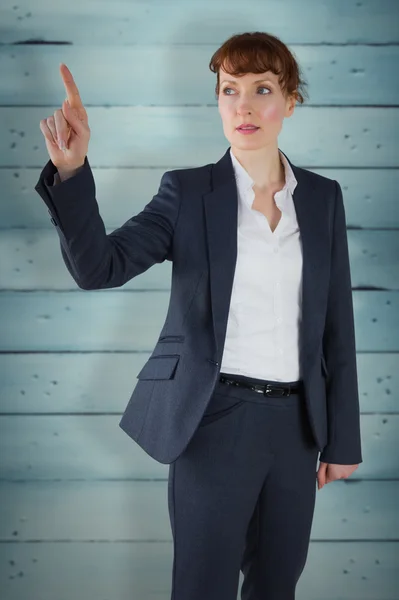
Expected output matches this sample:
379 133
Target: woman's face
246 99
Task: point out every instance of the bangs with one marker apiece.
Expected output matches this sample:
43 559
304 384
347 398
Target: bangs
252 59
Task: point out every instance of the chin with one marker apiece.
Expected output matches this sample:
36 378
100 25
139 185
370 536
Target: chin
249 143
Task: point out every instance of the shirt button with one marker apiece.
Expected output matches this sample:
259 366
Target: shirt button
279 320
275 250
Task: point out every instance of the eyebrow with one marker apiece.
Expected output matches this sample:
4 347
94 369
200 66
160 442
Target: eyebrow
236 81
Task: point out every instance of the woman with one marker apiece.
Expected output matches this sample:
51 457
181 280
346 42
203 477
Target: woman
254 372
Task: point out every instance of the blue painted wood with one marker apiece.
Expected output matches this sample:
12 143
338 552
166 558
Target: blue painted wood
31 259
94 447
336 75
41 383
155 21
183 136
138 511
63 427
66 321
370 195
142 571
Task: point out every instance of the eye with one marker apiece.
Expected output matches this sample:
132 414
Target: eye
262 87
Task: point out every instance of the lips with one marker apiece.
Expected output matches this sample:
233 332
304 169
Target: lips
247 127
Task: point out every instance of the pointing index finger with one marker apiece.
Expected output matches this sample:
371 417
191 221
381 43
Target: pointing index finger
70 87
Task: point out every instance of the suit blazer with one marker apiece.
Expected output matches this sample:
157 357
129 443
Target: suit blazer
192 221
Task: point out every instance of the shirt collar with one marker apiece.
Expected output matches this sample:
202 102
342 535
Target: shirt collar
245 182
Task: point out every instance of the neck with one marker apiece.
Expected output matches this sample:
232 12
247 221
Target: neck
264 166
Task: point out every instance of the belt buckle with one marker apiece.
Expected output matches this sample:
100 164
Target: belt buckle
269 388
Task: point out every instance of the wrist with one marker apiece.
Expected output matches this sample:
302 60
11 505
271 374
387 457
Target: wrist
68 173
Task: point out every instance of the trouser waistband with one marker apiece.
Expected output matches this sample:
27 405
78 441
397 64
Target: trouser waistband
262 386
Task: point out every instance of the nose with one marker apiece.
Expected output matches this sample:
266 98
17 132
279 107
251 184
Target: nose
243 107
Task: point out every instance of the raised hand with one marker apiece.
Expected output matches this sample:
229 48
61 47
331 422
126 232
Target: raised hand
67 132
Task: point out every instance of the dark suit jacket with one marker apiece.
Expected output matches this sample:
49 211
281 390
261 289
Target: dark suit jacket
192 221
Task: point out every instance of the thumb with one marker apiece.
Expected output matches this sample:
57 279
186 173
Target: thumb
321 475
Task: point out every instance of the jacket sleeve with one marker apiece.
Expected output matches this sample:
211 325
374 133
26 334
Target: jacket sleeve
97 260
339 348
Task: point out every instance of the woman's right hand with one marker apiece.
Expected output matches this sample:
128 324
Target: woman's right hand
69 127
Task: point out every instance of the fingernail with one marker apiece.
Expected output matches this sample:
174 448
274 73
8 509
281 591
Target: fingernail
61 144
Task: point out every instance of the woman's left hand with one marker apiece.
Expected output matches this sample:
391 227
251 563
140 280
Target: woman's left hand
330 472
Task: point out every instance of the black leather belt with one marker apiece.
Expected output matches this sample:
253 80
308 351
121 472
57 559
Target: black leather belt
267 389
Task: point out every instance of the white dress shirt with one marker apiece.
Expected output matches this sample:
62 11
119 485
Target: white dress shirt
262 338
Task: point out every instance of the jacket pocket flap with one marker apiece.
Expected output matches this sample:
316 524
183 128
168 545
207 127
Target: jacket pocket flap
159 367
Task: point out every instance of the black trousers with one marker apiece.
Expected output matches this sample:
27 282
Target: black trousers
241 497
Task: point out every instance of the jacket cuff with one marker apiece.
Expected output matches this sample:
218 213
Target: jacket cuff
71 201
337 457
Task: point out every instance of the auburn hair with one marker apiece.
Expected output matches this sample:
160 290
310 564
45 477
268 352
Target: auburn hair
257 52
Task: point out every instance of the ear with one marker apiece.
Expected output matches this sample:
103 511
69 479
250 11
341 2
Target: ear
290 105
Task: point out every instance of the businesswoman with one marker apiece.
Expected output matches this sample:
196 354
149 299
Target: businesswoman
254 372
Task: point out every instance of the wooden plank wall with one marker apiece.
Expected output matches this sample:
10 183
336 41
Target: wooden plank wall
83 508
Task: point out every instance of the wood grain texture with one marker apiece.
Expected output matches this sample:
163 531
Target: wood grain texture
143 136
142 571
178 22
94 447
138 511
113 321
336 75
370 195
41 383
31 259
83 508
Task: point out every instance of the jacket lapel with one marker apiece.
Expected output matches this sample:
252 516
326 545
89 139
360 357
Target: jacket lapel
221 206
